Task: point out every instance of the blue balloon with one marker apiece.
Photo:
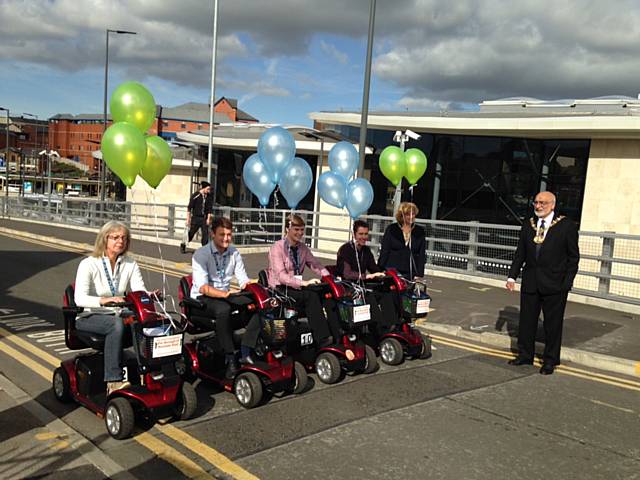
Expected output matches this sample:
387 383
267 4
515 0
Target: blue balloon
332 188
258 179
276 148
296 181
343 159
359 197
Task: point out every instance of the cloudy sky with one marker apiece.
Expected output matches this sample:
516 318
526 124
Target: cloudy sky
285 58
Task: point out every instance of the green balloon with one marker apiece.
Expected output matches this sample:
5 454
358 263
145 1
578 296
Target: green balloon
158 162
131 102
124 150
392 164
416 165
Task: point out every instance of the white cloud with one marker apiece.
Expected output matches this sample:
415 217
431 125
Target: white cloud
332 51
430 51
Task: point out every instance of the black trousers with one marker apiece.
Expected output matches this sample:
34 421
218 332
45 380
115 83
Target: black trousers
220 310
199 223
552 307
383 309
311 304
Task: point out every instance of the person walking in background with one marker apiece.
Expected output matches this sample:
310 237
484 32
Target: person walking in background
403 244
199 214
548 249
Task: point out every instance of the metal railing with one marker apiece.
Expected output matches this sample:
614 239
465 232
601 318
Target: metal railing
609 264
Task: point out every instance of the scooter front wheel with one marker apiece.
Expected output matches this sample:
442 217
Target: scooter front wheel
248 389
371 362
391 351
328 368
119 418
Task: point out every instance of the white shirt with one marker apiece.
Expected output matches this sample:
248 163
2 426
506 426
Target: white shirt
92 282
547 221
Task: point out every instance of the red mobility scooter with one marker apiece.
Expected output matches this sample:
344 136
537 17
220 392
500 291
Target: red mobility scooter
156 388
348 353
272 371
404 340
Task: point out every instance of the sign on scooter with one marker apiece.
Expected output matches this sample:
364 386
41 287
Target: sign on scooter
422 305
166 346
125 374
306 339
361 313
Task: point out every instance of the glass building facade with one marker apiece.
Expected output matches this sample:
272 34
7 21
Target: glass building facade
485 179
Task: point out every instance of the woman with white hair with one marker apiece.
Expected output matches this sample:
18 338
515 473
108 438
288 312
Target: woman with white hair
103 278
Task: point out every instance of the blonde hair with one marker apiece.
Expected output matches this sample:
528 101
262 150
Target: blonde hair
295 220
404 209
107 229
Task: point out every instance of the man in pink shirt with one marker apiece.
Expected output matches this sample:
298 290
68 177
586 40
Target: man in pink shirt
287 260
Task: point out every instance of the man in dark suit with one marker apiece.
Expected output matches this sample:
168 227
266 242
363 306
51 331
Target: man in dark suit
548 249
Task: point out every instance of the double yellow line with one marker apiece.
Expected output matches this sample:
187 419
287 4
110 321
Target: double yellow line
163 450
564 369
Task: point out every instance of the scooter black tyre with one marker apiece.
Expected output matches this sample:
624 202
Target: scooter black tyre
391 351
328 368
248 389
119 418
61 385
371 364
187 402
301 379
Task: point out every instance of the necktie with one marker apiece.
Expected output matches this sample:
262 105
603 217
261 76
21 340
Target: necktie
539 237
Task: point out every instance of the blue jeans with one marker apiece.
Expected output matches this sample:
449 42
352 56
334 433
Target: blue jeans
112 327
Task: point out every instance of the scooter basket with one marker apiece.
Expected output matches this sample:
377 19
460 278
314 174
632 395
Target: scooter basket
353 313
415 305
274 330
158 345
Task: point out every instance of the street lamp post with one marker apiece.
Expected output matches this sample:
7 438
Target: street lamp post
103 174
6 160
35 147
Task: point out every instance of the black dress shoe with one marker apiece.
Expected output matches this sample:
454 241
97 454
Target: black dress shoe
231 371
520 361
547 369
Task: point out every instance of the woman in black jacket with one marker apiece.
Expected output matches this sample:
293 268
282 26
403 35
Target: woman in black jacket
403 244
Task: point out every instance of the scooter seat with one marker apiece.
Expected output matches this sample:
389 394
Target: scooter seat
91 340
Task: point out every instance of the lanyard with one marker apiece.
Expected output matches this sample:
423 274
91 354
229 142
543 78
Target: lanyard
112 282
294 256
220 269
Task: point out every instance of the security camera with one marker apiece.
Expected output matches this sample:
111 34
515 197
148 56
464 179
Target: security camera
397 137
412 135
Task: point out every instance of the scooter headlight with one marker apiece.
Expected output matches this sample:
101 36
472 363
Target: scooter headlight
352 338
157 376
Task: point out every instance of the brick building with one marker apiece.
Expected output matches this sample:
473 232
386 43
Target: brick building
76 136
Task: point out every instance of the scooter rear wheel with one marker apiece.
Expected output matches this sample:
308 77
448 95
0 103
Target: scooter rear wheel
391 351
301 379
328 368
248 389
425 352
62 385
119 418
186 403
371 362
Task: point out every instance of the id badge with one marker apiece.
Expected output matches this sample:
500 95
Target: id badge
298 277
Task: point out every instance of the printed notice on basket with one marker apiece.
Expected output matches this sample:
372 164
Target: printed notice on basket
361 313
165 346
423 305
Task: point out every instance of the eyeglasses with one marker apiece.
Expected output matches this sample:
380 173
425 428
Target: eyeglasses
115 238
540 203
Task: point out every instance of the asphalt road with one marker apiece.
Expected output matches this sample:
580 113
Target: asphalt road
464 413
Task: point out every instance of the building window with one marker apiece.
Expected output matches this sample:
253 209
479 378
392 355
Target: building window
183 125
165 123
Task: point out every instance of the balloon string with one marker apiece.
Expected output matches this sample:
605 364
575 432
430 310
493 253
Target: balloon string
154 209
